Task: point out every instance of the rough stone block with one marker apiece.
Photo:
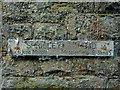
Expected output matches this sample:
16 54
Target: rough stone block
23 31
45 30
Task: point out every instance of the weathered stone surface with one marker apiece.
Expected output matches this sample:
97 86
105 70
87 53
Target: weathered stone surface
112 83
60 21
21 68
56 65
23 31
74 66
85 27
112 25
90 7
117 49
45 30
55 82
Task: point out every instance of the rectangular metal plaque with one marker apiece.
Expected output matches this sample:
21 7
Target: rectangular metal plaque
60 48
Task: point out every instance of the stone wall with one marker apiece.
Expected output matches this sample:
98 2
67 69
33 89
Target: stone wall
60 21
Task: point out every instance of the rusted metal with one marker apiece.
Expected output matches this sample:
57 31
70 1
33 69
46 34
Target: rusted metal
60 48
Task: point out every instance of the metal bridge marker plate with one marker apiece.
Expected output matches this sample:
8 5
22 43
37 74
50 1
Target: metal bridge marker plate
60 48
